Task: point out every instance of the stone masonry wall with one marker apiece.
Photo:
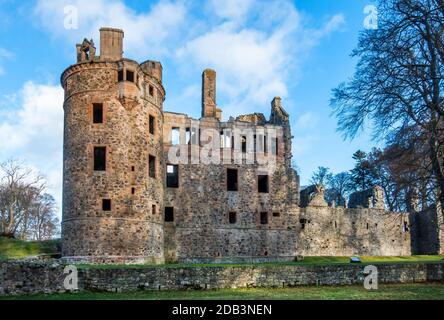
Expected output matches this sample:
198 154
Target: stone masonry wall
18 278
201 231
132 231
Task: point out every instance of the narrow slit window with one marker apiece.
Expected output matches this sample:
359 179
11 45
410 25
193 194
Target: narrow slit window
129 76
106 204
175 136
232 217
264 217
152 166
244 144
97 113
227 139
133 190
151 90
232 184
187 136
99 158
263 184
169 214
151 124
275 146
172 176
153 209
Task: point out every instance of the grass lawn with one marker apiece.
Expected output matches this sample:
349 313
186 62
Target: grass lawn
18 249
429 291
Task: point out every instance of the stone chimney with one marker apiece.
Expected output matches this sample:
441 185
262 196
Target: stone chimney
209 109
111 44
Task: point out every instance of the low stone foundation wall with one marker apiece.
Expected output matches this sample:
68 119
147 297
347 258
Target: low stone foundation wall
19 277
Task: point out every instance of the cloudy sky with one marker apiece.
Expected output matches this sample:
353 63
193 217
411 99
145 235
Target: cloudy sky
298 50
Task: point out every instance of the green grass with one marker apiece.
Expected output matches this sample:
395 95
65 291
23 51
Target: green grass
18 249
306 262
429 291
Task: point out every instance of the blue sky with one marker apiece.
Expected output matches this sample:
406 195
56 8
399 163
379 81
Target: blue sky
298 50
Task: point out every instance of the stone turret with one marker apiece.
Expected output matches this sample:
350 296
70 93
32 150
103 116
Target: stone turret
113 162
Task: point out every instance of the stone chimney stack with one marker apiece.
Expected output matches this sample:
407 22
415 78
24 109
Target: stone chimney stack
111 44
209 94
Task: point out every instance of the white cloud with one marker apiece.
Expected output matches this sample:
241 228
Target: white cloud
145 32
33 132
231 9
255 62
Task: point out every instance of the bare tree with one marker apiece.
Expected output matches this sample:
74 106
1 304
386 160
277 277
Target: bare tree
338 187
398 82
23 205
43 221
321 176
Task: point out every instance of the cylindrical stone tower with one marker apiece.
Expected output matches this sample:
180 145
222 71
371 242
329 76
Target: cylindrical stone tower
113 175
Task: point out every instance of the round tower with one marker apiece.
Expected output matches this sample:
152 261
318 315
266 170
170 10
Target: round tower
112 156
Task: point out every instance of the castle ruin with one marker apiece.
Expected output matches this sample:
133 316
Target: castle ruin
142 185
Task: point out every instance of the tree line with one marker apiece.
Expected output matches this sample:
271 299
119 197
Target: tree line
27 211
397 91
396 171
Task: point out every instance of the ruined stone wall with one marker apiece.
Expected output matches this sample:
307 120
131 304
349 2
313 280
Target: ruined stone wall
131 231
427 231
326 231
201 227
20 278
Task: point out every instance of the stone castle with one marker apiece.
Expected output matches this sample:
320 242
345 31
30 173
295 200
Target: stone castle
137 189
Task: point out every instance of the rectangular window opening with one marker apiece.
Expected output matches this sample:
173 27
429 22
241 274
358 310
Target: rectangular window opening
187 136
244 144
153 209
232 217
129 76
106 204
99 158
276 214
97 113
169 214
264 217
133 190
151 124
175 136
151 90
275 146
262 184
172 176
232 184
152 166
120 75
